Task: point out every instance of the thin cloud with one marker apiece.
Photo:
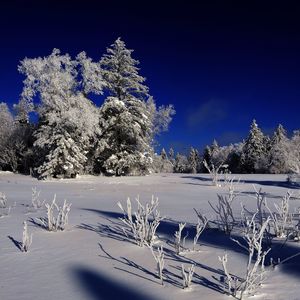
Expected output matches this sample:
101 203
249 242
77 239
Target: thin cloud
208 113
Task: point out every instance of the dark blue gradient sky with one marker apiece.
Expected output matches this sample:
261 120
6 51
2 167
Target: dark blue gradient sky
221 64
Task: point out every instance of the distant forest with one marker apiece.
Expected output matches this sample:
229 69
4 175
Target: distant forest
258 153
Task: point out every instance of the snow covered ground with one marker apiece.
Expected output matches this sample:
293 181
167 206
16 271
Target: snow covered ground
92 260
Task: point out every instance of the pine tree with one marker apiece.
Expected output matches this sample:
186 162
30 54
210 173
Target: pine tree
124 146
193 160
279 151
171 153
293 160
120 73
8 159
129 118
181 163
163 154
254 150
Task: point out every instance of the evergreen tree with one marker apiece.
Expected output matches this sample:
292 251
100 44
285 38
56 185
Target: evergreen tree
171 153
124 146
254 150
293 161
163 154
129 118
279 151
193 160
120 73
181 163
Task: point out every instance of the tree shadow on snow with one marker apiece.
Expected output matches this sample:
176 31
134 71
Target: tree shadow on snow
275 183
99 286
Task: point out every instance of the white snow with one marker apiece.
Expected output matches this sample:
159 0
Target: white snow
90 259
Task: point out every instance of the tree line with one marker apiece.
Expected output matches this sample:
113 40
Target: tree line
258 153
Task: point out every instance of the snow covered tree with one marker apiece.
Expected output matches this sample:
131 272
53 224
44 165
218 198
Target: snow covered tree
193 160
67 119
120 73
254 150
293 161
163 154
124 145
181 163
279 151
8 158
129 118
171 153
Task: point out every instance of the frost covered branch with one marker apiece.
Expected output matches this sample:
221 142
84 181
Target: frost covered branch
255 271
224 212
214 171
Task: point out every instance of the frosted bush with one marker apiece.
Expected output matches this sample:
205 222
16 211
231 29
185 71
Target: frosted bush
36 203
27 239
255 270
179 242
223 210
187 276
160 262
200 227
214 171
142 224
57 216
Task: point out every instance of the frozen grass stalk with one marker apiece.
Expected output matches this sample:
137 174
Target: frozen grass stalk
254 236
223 210
59 222
199 229
230 282
3 200
160 262
187 276
27 239
5 210
36 203
143 223
179 241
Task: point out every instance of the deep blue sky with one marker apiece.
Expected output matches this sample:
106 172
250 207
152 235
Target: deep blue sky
221 64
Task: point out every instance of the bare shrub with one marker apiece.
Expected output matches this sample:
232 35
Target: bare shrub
214 171
143 223
223 210
255 270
